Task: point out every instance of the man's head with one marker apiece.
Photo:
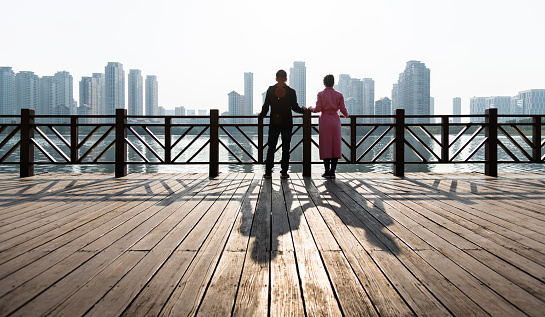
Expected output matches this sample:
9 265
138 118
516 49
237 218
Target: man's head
282 74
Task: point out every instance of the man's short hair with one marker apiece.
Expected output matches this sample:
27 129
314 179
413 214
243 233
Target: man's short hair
281 74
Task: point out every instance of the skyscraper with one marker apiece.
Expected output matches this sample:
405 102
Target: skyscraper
27 91
236 106
64 87
152 95
368 98
356 92
383 107
136 93
413 91
115 87
478 105
7 92
456 109
91 96
298 81
48 96
533 101
248 94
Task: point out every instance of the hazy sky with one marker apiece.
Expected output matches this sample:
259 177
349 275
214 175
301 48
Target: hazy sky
200 49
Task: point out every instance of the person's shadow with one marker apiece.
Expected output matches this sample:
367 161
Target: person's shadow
280 206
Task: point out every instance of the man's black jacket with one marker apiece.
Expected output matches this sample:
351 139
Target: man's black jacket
282 101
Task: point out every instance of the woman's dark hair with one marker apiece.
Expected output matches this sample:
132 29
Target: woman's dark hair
329 80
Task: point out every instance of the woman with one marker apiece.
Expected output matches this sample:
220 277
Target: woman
329 103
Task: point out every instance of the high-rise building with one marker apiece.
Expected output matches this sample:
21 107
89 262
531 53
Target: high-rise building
48 97
27 91
7 93
343 85
413 91
179 111
368 98
64 93
100 81
136 93
248 94
91 96
236 106
478 105
298 81
115 87
383 107
456 109
152 95
533 101
356 92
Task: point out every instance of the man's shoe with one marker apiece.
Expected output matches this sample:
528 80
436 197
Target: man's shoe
284 175
267 175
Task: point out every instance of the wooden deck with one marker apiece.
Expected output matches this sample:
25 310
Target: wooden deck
184 244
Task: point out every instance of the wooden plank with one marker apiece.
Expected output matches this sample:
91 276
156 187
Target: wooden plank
318 294
28 264
449 244
286 297
253 294
427 284
220 296
116 302
342 223
152 298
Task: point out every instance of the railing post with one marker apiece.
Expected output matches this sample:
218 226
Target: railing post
26 161
307 135
214 143
399 149
260 140
353 140
445 139
536 139
120 144
74 140
168 140
491 146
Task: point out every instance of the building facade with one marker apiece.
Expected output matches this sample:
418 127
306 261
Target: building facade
383 107
64 85
152 95
412 92
48 96
115 87
27 91
456 109
248 94
532 101
136 93
368 98
298 81
7 93
478 105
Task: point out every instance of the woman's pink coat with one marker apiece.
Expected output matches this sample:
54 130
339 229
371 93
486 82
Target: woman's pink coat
329 103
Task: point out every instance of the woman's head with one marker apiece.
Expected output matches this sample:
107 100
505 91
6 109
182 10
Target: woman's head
329 80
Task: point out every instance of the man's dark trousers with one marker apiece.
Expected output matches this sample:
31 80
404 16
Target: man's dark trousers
274 133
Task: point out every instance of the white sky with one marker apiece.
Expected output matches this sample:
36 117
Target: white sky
200 49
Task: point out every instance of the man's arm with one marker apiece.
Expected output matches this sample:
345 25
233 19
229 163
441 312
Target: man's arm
293 102
265 108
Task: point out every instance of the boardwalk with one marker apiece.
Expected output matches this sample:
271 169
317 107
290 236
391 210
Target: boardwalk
184 244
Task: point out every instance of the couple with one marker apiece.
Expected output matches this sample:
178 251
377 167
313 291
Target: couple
282 100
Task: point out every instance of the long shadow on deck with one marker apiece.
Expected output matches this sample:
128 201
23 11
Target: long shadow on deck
283 206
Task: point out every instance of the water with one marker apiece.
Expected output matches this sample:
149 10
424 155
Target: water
192 147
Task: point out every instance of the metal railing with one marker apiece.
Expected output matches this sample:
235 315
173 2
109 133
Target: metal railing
398 140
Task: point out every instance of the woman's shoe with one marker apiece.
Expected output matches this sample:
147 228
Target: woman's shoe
332 175
326 174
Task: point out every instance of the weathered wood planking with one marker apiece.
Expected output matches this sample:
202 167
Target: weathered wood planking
183 244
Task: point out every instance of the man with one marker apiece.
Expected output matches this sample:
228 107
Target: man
282 100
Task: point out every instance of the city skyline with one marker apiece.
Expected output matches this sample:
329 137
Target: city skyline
188 45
